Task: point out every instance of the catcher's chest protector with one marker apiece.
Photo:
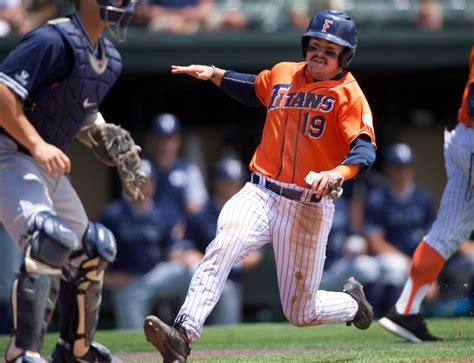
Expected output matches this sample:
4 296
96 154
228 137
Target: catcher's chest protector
59 111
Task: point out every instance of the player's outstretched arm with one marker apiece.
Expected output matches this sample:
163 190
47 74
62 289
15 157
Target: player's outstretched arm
202 72
15 122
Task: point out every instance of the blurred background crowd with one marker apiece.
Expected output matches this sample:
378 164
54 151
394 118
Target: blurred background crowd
191 16
196 159
379 221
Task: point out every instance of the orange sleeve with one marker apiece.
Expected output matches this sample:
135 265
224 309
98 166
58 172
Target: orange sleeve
357 120
263 86
348 171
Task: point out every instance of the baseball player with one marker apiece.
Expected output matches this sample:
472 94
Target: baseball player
51 86
318 132
453 225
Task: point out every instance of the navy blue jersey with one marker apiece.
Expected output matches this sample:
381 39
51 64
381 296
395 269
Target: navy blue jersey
39 60
63 80
172 187
403 221
143 239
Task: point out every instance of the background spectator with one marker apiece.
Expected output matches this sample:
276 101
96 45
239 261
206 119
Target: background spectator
142 273
347 254
398 214
180 183
13 18
429 15
174 16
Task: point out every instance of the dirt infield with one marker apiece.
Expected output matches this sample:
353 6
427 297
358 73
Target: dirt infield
215 353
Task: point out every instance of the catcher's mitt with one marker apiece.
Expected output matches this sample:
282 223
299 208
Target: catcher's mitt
114 146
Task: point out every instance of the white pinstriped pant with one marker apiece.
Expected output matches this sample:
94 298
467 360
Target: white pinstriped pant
299 230
455 220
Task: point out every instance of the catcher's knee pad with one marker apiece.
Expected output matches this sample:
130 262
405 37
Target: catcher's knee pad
36 288
81 294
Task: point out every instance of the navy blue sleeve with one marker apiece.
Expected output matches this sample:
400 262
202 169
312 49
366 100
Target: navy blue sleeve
240 86
471 100
362 153
40 57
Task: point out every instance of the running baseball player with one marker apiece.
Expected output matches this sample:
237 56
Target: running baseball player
318 126
453 225
51 86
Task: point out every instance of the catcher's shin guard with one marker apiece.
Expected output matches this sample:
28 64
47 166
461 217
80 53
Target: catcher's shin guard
80 298
35 291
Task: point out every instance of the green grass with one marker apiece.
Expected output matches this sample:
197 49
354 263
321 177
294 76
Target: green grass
333 342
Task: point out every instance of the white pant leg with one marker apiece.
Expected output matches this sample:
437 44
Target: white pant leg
455 219
242 228
300 232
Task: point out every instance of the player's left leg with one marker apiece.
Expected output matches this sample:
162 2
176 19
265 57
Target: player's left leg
300 234
81 286
79 300
451 228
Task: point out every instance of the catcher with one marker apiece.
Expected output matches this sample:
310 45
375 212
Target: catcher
51 86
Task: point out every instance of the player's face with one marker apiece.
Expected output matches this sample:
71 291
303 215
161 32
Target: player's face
322 58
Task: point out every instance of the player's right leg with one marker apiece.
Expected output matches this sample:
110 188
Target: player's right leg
35 291
242 228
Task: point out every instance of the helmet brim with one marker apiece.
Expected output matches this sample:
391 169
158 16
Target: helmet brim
329 37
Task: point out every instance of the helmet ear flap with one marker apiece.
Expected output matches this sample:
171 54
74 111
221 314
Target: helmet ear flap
345 57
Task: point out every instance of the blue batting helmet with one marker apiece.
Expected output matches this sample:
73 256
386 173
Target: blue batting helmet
336 27
117 15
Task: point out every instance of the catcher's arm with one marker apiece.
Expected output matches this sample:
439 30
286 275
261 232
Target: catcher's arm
114 146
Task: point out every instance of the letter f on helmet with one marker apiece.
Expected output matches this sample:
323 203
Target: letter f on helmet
326 25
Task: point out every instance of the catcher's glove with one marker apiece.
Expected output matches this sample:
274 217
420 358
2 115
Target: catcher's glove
114 146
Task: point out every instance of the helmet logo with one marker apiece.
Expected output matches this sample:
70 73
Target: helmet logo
326 25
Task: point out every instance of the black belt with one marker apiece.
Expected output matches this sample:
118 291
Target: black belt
284 192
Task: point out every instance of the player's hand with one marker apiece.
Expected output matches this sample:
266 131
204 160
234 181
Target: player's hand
201 72
323 183
52 159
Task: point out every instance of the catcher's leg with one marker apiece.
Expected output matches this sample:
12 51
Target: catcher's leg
80 298
36 288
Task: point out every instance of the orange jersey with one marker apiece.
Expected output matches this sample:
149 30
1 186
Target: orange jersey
309 125
464 116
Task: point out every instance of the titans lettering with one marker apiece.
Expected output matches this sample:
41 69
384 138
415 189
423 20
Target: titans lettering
281 98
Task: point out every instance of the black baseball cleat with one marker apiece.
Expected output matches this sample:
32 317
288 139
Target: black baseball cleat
172 343
97 353
412 327
365 314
